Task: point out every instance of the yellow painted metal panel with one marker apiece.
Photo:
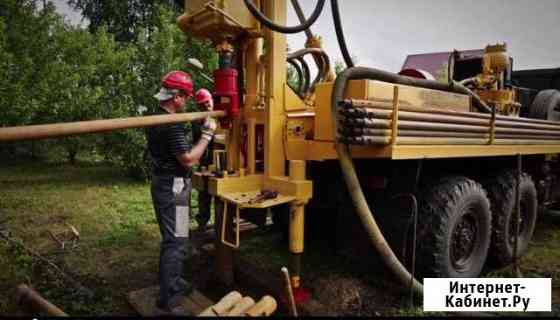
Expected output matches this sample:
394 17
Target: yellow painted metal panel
274 155
229 18
234 184
243 199
302 190
382 92
447 151
418 97
292 101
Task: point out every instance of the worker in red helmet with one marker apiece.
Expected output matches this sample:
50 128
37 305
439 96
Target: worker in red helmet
204 102
173 156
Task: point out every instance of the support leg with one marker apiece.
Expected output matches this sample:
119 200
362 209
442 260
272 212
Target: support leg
297 226
224 254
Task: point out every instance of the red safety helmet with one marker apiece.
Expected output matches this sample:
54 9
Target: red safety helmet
178 80
203 96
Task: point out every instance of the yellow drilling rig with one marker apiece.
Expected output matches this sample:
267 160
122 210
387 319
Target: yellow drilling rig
452 148
444 158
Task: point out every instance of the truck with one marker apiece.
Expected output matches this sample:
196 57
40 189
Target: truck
463 165
454 171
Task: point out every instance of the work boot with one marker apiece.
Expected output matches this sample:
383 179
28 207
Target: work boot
176 297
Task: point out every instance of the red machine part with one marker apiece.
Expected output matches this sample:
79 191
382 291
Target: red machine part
417 73
226 93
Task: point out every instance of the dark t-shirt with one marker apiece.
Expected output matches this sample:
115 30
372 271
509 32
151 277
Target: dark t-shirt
165 142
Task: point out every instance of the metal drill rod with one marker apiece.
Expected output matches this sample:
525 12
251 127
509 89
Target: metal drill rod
385 140
411 133
387 104
57 130
411 125
384 113
358 131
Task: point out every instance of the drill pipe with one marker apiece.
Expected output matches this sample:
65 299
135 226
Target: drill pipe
383 140
353 132
501 126
411 125
350 117
357 132
96 126
349 103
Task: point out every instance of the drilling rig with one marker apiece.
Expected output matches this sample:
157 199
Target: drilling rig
468 165
452 148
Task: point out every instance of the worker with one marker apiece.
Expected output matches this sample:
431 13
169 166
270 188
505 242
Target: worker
172 157
204 102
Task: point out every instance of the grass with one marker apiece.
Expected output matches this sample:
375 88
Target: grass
118 250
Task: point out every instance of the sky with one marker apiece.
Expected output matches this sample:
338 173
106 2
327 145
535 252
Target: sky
381 33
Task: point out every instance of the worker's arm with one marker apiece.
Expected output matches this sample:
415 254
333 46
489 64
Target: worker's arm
189 159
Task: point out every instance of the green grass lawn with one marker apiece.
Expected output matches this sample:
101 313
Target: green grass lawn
119 246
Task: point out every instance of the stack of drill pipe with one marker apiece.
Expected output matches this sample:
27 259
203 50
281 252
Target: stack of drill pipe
364 122
235 305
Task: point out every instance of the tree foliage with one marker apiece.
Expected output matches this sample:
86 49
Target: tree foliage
124 18
55 72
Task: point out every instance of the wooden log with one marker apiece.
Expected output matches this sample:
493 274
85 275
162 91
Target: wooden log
223 306
96 126
241 307
26 296
264 308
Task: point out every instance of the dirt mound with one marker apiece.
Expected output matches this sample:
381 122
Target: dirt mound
342 295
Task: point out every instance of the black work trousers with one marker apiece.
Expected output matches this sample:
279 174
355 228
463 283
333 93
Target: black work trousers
171 209
204 203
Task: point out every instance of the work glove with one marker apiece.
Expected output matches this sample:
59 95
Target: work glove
209 128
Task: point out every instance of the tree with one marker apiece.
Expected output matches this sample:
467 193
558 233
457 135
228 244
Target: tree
53 72
156 52
123 18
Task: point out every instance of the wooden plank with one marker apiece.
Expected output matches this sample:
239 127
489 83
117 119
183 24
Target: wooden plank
144 302
201 299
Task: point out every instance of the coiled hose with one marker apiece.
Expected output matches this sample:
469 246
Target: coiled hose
285 29
319 55
301 81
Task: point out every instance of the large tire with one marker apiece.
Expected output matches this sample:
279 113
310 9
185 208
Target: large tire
454 229
545 105
501 191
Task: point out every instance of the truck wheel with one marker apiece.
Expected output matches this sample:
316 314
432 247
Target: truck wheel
454 229
546 106
501 191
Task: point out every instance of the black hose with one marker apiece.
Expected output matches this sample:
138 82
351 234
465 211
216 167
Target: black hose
352 182
451 67
349 172
299 75
340 34
285 29
323 67
301 17
306 75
